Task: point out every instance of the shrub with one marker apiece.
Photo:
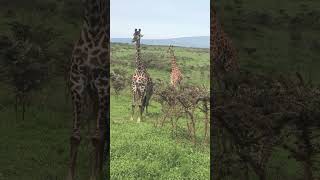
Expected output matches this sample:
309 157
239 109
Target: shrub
26 58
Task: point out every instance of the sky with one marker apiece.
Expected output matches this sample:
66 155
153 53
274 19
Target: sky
160 19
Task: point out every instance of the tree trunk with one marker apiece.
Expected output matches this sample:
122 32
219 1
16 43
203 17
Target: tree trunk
193 127
206 123
23 108
307 170
246 175
261 174
16 107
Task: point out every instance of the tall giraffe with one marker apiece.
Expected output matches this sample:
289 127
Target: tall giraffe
88 77
223 55
142 86
176 75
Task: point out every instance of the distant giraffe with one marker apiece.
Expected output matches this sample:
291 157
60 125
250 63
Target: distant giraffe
223 55
142 86
88 76
176 75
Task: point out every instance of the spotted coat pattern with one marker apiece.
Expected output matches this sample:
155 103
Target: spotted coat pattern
88 77
223 54
176 75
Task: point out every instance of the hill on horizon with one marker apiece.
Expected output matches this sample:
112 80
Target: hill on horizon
194 42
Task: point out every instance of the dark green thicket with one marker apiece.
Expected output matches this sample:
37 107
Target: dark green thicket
265 113
119 80
25 60
274 37
267 126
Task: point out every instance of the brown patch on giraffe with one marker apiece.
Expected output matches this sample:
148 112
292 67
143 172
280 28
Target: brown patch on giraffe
80 42
95 52
77 51
86 36
75 78
105 45
104 55
79 60
94 61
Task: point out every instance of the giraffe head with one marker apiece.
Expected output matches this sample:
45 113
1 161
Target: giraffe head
170 49
137 35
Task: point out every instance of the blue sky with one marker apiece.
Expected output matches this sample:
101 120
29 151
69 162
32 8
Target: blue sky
160 19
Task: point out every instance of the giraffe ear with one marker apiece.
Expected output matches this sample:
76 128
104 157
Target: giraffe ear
135 30
139 30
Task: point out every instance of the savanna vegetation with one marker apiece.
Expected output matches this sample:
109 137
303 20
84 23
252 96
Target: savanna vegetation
267 126
171 142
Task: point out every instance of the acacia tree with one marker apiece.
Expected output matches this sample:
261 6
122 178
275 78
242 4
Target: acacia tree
304 100
26 58
118 80
183 102
264 113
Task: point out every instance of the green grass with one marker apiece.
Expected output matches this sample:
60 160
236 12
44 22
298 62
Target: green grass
38 147
139 151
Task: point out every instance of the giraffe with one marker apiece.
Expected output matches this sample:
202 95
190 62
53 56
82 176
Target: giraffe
88 77
176 75
223 55
142 86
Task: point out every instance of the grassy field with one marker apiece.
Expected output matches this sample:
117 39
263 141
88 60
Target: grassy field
142 151
38 147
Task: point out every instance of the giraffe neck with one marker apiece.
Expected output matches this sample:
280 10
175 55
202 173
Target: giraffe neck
139 64
173 61
215 26
95 17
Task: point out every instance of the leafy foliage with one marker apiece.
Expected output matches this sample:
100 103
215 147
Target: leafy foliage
184 102
118 80
26 58
261 114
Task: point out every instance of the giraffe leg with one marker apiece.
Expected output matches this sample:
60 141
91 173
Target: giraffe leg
132 107
145 105
146 109
75 136
140 113
132 111
99 137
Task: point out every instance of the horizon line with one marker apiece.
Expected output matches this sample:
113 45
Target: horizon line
161 38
